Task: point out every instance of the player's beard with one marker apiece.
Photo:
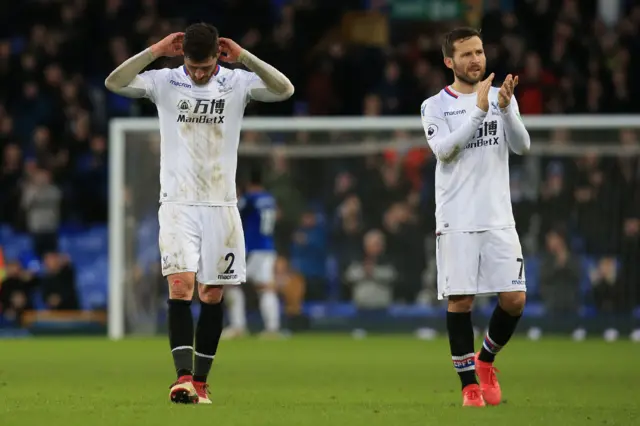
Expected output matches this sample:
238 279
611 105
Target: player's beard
462 75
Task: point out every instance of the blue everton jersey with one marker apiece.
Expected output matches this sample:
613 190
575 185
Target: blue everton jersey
258 212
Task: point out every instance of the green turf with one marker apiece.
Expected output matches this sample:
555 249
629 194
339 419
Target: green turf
315 380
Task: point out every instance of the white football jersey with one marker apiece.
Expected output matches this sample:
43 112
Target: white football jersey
199 132
471 181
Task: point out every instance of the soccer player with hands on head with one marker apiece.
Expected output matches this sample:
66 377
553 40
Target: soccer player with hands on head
200 106
471 127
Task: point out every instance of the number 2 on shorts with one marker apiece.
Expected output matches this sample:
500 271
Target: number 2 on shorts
230 257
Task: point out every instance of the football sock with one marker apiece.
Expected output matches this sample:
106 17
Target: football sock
208 333
501 328
235 300
270 310
181 335
460 331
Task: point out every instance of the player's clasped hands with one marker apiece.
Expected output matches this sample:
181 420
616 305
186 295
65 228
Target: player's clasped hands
483 93
506 91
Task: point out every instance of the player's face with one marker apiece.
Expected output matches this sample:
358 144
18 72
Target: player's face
201 72
469 62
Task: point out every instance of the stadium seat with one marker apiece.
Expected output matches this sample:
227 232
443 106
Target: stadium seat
588 311
332 310
487 310
15 245
92 243
147 239
148 257
532 273
534 309
333 278
92 283
588 263
99 231
416 311
5 232
38 300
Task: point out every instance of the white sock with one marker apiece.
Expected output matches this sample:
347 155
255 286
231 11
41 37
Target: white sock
235 302
270 310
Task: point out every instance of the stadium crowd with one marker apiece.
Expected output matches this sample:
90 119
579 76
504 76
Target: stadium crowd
359 232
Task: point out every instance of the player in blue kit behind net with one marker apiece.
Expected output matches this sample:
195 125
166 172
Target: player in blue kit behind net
258 212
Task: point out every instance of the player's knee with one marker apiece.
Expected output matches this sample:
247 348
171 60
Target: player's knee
181 286
460 303
513 302
210 294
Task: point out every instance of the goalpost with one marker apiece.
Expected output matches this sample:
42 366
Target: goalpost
134 175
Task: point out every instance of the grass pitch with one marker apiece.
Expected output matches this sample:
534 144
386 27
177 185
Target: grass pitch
315 380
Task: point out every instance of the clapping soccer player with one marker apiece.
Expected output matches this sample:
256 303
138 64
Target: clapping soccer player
471 127
200 106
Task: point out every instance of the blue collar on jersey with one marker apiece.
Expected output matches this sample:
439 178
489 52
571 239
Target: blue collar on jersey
450 92
184 68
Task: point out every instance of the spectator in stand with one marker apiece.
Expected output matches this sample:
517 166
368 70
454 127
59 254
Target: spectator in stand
560 276
372 277
59 283
308 253
41 203
608 291
16 292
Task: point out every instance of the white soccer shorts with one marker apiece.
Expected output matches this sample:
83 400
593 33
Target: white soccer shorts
260 267
206 240
479 263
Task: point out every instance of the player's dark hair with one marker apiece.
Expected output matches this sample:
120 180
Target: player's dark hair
255 176
457 34
200 42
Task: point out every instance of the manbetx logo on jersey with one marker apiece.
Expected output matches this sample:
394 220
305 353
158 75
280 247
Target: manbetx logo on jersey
204 111
486 135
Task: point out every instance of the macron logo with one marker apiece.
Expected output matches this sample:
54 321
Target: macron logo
458 112
180 84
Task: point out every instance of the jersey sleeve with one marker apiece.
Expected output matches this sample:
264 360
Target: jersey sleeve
515 132
253 84
255 89
444 143
147 80
434 124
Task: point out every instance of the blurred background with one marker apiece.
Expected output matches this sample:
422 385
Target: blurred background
355 229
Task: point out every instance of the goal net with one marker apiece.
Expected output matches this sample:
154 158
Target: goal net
350 189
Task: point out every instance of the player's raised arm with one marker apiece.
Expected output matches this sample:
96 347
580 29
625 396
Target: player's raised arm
516 134
273 86
125 81
444 143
